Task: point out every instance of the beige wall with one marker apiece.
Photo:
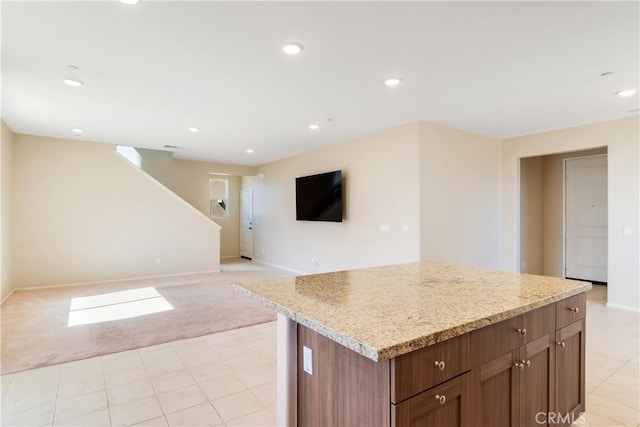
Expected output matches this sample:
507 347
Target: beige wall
437 188
532 209
459 196
6 226
190 180
554 210
621 137
82 214
381 188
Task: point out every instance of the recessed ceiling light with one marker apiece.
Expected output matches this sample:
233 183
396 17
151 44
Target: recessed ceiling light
250 150
129 1
71 79
293 48
392 82
194 130
626 92
77 131
314 126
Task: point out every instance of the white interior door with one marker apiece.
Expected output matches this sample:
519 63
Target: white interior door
586 218
246 223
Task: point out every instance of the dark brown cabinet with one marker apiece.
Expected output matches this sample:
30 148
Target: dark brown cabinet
570 371
524 371
514 388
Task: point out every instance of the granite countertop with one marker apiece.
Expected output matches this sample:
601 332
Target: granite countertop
384 312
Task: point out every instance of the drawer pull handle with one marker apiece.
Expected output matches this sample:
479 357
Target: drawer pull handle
441 398
519 365
523 331
439 365
574 309
527 363
562 344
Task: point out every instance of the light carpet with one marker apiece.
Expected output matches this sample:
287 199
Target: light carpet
35 329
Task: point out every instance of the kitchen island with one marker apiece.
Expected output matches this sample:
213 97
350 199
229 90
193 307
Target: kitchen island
427 344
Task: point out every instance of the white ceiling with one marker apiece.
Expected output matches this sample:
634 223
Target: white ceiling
152 70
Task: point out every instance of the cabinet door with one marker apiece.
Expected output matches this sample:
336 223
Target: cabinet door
537 383
444 405
496 391
570 371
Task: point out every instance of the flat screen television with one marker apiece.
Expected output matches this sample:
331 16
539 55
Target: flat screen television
319 197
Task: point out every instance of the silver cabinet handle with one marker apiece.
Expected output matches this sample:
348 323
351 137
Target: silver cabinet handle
574 309
441 398
439 365
561 344
523 331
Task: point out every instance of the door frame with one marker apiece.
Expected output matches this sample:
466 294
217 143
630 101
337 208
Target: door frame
242 206
564 207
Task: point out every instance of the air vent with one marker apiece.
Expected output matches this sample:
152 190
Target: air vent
173 147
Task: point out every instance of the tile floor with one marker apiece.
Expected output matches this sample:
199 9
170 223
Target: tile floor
229 379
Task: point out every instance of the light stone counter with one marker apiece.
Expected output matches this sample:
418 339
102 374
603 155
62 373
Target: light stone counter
384 312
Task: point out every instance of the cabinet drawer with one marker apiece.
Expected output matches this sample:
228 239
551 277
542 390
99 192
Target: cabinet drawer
491 341
414 372
570 310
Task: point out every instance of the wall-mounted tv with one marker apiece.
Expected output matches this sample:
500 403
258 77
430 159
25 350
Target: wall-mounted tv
319 197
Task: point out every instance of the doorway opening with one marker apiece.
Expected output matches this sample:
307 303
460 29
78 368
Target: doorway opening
543 215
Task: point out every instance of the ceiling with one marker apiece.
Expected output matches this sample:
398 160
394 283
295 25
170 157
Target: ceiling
155 69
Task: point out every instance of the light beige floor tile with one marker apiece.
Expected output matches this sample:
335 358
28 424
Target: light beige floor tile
123 370
257 375
22 397
34 416
155 422
195 354
592 419
81 369
262 418
93 419
130 392
210 372
135 412
71 407
610 407
624 380
201 415
172 381
266 394
162 362
237 405
222 386
181 399
80 386
5 384
622 395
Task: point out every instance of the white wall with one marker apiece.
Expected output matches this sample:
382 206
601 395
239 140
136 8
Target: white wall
81 213
621 137
6 226
459 196
380 188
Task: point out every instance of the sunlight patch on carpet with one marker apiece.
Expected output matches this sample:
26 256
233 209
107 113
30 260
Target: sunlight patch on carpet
116 306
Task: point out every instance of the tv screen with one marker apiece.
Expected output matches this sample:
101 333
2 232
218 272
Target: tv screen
319 197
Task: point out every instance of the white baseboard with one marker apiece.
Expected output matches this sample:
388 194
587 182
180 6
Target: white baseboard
8 295
624 307
302 273
103 282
